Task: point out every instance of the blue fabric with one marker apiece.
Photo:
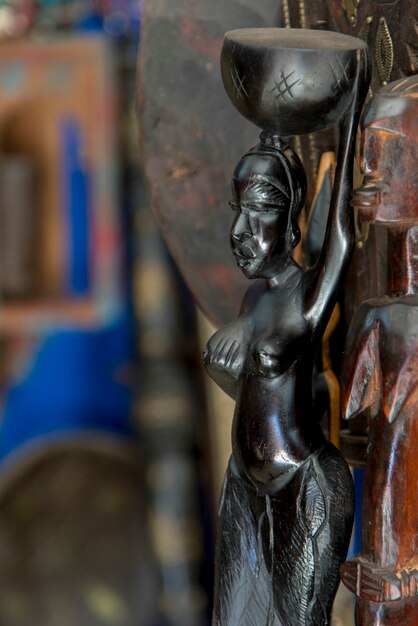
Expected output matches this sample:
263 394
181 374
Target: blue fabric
74 381
75 203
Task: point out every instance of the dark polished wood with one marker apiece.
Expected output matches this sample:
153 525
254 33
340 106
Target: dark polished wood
381 365
287 505
191 138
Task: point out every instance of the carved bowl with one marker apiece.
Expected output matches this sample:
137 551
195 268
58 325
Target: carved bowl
292 81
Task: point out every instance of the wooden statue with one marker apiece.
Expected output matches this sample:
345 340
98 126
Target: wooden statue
287 504
380 374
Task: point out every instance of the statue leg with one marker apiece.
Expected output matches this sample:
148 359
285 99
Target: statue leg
278 554
312 520
243 586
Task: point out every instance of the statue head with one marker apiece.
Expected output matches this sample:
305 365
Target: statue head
268 192
389 155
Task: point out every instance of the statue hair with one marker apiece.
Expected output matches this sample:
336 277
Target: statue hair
272 145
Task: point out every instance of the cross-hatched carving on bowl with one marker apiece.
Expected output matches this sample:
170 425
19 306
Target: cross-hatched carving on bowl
238 82
339 73
283 87
290 81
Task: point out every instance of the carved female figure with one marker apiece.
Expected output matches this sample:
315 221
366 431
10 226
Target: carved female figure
287 504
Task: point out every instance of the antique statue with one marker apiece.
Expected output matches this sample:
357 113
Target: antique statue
380 373
287 504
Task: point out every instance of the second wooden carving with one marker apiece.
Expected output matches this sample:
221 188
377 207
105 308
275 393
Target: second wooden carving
381 365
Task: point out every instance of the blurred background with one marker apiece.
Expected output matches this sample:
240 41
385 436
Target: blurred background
112 443
106 488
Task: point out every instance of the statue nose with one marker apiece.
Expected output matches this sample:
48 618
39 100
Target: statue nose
241 238
241 229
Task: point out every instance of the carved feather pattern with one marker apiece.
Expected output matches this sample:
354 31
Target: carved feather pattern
383 51
366 29
278 555
245 586
313 505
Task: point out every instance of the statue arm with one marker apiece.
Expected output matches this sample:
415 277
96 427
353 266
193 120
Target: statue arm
361 375
329 270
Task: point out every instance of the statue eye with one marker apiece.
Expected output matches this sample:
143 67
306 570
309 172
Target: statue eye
256 207
262 207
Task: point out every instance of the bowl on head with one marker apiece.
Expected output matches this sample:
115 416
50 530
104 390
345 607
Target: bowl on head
292 81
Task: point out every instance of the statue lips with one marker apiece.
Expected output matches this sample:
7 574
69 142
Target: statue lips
369 195
243 253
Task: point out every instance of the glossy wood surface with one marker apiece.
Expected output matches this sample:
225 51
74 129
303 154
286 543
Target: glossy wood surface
286 510
381 365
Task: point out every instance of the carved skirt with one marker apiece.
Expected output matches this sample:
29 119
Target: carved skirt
278 556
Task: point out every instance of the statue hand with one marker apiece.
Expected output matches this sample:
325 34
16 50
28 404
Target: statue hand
222 354
225 351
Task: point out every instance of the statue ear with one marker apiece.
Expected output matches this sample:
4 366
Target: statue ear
294 233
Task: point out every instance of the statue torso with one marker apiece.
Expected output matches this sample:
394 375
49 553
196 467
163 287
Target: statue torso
274 429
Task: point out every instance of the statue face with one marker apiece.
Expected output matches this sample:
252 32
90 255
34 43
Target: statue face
389 189
376 164
259 231
389 151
